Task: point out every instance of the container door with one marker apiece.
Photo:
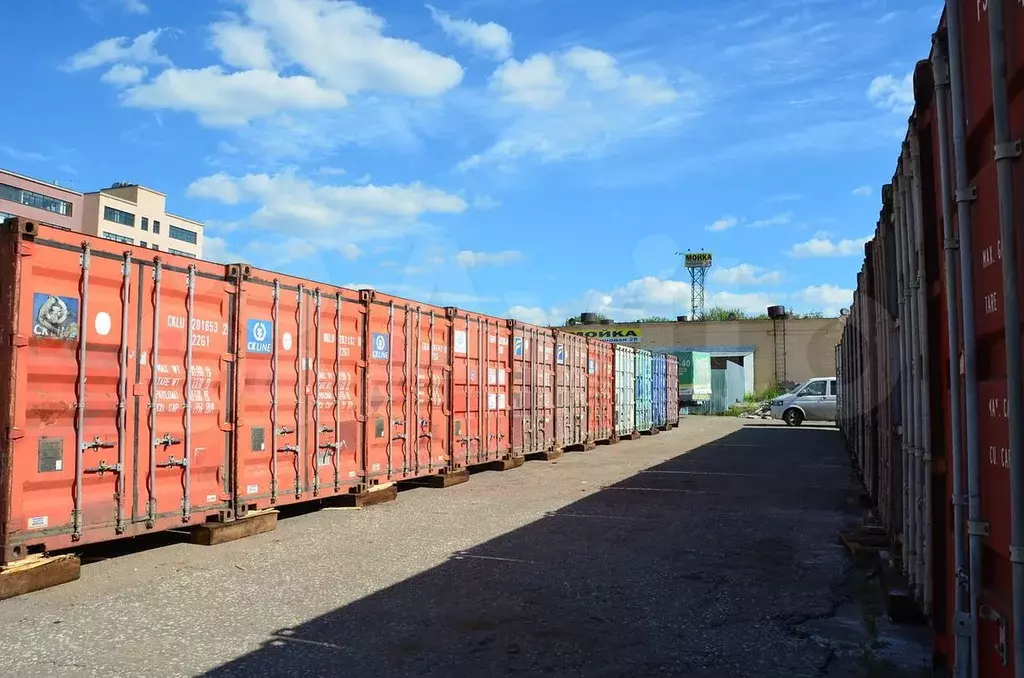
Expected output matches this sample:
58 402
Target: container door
183 405
496 417
543 356
529 432
429 406
468 393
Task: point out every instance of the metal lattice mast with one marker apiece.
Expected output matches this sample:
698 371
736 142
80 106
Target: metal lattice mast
697 263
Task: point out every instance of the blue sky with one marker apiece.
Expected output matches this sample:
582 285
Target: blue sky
532 158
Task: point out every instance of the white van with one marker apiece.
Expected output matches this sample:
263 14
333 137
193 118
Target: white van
813 400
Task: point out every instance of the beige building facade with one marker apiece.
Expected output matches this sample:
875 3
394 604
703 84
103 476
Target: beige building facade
797 349
136 215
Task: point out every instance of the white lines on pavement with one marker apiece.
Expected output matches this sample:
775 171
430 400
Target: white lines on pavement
460 556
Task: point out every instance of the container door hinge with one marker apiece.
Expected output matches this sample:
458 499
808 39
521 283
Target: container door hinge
227 426
967 194
1016 554
16 434
977 528
962 625
19 340
951 244
1010 149
991 614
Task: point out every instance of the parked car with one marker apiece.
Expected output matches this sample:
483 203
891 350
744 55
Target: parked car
813 400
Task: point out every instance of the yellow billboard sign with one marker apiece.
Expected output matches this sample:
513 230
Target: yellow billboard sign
615 335
698 260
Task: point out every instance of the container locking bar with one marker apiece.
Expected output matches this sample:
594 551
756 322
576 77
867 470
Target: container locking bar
167 440
990 614
98 444
172 462
104 467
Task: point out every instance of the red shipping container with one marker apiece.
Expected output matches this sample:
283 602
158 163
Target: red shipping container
672 387
480 395
116 381
570 390
532 384
298 433
405 393
601 391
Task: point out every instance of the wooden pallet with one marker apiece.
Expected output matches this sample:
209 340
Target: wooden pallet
506 464
439 481
375 494
255 522
546 455
38 572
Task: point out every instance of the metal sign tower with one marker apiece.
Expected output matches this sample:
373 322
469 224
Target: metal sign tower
698 264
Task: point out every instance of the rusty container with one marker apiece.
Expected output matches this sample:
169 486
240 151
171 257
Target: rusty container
299 397
405 388
532 388
672 389
571 355
481 388
116 379
601 391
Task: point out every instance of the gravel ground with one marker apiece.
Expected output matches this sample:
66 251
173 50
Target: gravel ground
702 551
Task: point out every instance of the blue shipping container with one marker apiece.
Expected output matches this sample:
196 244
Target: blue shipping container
659 391
644 394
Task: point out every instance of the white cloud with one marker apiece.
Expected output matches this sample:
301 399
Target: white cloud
822 245
578 102
349 212
124 74
471 259
331 171
141 50
279 56
217 249
485 202
723 224
745 274
242 46
827 298
536 315
862 191
489 39
888 92
135 6
223 99
777 220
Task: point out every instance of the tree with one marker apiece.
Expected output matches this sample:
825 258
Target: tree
809 314
575 320
719 313
655 319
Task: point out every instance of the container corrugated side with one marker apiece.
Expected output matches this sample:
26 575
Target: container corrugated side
481 388
601 390
116 393
533 384
625 390
644 396
672 389
571 353
659 391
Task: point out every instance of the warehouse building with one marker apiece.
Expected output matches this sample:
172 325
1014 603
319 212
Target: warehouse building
770 351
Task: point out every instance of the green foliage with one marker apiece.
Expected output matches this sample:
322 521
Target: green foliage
769 393
655 319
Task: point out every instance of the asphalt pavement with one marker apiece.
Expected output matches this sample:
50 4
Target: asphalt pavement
702 551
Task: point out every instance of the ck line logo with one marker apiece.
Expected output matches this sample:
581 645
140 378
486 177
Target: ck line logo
381 344
257 338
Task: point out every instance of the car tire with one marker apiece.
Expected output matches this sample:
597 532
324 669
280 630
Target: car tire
793 417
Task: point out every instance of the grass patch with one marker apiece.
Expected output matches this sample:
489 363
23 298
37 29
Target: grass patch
769 393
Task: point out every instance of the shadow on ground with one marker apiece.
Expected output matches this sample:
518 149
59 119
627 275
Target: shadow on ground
705 565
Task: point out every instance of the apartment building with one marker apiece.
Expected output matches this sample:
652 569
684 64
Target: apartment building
136 215
47 203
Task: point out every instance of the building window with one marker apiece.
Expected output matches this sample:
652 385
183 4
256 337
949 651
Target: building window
156 227
144 243
179 252
156 247
4 216
145 224
37 200
119 217
118 238
182 234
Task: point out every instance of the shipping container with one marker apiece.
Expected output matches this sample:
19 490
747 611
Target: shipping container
601 390
930 358
533 388
644 391
659 391
571 355
117 390
298 432
672 390
625 391
694 378
480 392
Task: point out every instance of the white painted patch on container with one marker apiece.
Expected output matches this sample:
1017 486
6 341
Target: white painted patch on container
252 489
286 341
102 323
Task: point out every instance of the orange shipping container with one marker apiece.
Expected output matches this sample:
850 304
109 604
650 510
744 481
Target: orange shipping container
116 381
600 390
298 403
407 427
533 379
480 394
571 354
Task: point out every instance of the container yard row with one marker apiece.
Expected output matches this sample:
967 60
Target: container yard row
930 362
144 392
